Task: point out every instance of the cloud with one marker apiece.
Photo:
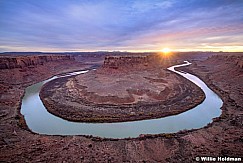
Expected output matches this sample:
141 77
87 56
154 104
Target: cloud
114 24
148 6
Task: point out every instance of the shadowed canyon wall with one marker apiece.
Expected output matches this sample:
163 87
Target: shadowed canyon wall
26 61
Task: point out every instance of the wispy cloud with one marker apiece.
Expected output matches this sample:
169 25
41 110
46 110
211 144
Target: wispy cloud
119 25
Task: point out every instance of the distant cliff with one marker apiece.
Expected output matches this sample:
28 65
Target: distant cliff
9 62
131 62
125 61
236 59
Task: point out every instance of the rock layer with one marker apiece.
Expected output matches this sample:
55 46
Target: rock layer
135 62
116 62
135 94
26 61
236 60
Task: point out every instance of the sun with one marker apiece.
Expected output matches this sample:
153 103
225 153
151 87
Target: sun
166 50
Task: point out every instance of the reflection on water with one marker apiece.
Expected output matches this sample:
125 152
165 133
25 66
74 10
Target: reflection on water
41 121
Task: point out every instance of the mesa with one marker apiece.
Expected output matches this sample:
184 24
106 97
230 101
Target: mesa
124 88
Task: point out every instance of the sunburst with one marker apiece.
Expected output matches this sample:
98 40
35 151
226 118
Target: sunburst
166 50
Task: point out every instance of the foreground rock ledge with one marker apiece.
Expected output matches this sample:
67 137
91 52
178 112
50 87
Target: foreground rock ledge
120 94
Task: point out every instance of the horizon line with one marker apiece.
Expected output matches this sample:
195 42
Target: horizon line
118 51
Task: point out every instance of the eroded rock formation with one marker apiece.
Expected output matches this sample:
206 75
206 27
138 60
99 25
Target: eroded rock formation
125 61
25 61
139 88
237 60
19 71
131 62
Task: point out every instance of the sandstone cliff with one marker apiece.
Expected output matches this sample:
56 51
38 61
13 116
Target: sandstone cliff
9 62
122 61
236 59
132 62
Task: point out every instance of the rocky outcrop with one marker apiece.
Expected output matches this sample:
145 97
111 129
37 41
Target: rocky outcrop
116 97
27 61
131 61
237 60
125 61
240 63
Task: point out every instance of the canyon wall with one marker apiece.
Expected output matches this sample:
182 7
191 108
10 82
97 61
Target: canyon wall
236 59
11 62
133 61
122 61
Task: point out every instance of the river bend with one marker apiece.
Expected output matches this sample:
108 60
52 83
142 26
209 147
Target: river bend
39 120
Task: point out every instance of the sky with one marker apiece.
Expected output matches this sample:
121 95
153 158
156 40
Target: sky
121 25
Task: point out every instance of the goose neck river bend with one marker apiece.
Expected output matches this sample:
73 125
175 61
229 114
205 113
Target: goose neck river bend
39 120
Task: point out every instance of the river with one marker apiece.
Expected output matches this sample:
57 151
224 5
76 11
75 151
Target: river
39 120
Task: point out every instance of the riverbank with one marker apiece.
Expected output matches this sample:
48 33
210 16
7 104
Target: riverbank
223 137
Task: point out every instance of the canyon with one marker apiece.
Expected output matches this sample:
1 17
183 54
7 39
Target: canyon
223 137
125 88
